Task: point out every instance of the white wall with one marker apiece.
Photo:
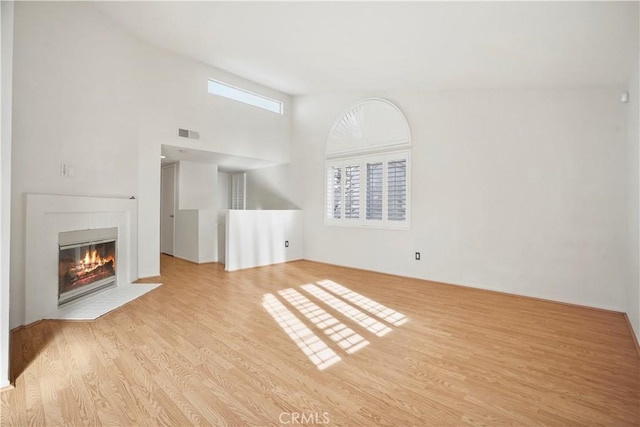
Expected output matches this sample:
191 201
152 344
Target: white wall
270 188
517 191
196 237
186 235
196 223
82 112
256 238
6 66
222 194
197 185
633 194
207 236
222 201
105 104
175 90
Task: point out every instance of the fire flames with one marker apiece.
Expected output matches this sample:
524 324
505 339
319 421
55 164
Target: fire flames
91 261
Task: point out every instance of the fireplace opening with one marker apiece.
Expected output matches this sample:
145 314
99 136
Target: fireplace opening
86 266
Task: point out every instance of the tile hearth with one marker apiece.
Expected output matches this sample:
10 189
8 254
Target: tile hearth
102 302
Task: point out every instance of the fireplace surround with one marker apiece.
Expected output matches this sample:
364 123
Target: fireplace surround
47 216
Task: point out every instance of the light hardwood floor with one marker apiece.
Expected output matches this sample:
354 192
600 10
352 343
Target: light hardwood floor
203 350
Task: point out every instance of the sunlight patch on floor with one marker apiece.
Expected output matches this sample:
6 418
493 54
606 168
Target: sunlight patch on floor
367 322
373 307
345 337
312 346
338 298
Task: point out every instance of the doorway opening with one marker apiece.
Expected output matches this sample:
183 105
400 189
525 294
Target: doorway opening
167 209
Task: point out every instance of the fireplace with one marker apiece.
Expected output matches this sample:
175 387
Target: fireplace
86 262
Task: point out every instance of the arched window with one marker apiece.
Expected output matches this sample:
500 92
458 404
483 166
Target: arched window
368 155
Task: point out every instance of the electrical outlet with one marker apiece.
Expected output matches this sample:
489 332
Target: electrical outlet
286 243
417 256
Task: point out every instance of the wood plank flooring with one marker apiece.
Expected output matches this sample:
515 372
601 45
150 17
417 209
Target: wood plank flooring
203 350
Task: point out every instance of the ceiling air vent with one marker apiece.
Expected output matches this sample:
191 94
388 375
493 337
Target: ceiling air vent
185 133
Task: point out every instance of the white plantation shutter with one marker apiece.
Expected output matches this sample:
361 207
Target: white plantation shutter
374 191
238 191
352 192
397 190
334 193
369 191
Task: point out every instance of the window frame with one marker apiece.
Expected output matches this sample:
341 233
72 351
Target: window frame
246 97
362 161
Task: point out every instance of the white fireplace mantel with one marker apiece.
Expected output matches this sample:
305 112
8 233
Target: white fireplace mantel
47 216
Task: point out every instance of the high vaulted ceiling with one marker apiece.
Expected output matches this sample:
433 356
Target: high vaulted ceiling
311 47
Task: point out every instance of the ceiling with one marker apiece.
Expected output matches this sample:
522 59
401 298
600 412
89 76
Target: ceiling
225 162
315 47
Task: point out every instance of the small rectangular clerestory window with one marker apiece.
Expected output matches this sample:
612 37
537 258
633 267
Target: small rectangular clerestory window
231 92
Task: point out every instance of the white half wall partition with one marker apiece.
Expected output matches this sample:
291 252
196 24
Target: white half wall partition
261 237
196 235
